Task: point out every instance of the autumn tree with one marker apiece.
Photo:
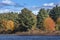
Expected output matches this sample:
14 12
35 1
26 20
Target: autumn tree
42 14
49 24
10 16
8 25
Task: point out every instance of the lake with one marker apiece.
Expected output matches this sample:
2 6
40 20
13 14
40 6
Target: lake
12 37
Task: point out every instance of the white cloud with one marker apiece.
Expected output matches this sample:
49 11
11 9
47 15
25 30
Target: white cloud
16 11
8 2
35 12
8 10
49 4
4 10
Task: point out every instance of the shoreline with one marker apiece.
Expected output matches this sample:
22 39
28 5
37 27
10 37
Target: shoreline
35 33
25 35
31 34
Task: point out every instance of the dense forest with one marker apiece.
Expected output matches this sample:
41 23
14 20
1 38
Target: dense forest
46 20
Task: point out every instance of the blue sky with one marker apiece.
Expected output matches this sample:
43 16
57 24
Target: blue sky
33 5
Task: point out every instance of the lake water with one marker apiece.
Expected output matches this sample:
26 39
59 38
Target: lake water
12 37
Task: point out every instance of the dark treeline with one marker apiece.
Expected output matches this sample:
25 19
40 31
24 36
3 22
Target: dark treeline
45 20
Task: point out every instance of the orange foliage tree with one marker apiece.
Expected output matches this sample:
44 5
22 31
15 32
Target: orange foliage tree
49 24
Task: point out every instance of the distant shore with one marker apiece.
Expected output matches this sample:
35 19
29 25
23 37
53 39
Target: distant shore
56 33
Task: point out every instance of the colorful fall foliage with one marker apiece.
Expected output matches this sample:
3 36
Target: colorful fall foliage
8 25
49 24
27 21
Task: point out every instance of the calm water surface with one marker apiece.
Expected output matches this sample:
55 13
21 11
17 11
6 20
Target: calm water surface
12 37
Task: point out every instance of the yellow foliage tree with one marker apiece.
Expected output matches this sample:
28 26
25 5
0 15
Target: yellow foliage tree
49 24
58 24
4 23
8 25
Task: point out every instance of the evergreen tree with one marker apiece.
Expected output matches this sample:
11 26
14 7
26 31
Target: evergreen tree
42 14
55 13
